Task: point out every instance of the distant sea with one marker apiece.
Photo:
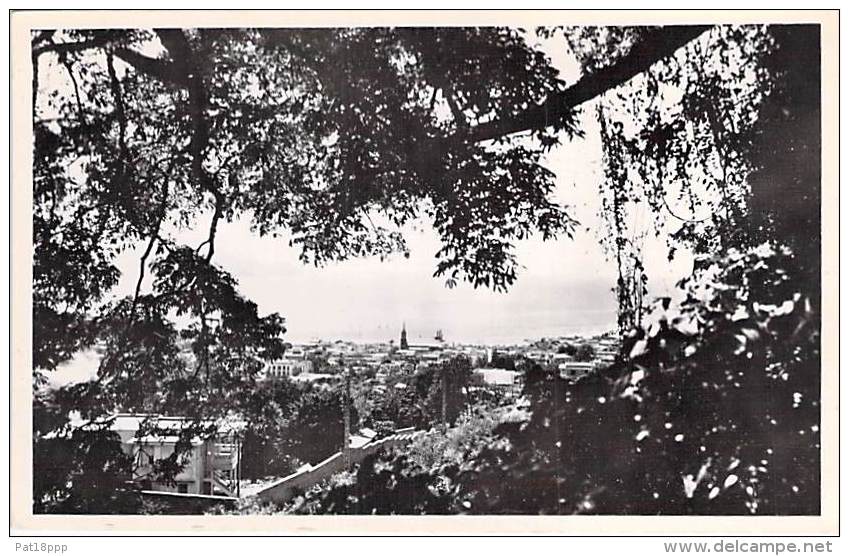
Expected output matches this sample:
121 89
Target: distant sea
499 333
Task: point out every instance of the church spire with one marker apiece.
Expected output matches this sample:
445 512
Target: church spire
404 344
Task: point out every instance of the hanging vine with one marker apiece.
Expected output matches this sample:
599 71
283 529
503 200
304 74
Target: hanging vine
674 145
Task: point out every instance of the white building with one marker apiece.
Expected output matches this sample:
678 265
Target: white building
501 379
575 370
210 466
288 368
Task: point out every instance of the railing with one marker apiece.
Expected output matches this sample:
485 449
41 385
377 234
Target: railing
224 458
222 482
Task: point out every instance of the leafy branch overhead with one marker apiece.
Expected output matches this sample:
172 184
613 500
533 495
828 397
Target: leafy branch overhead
312 132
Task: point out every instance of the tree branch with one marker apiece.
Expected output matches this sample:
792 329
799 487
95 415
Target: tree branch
656 45
154 235
120 113
213 225
161 69
34 85
108 364
69 47
70 69
180 51
155 67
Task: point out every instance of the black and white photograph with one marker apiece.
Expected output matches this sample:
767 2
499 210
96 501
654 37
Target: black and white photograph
556 267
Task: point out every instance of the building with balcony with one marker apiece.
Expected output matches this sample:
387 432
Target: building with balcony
211 465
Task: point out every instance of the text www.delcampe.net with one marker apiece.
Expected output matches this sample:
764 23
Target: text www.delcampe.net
754 547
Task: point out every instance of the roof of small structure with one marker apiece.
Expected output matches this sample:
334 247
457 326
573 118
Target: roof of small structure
134 421
499 377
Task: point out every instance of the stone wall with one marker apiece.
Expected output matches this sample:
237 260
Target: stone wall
288 487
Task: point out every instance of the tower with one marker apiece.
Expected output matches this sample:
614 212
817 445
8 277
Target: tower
404 344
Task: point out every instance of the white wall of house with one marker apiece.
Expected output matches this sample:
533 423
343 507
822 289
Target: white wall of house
199 462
